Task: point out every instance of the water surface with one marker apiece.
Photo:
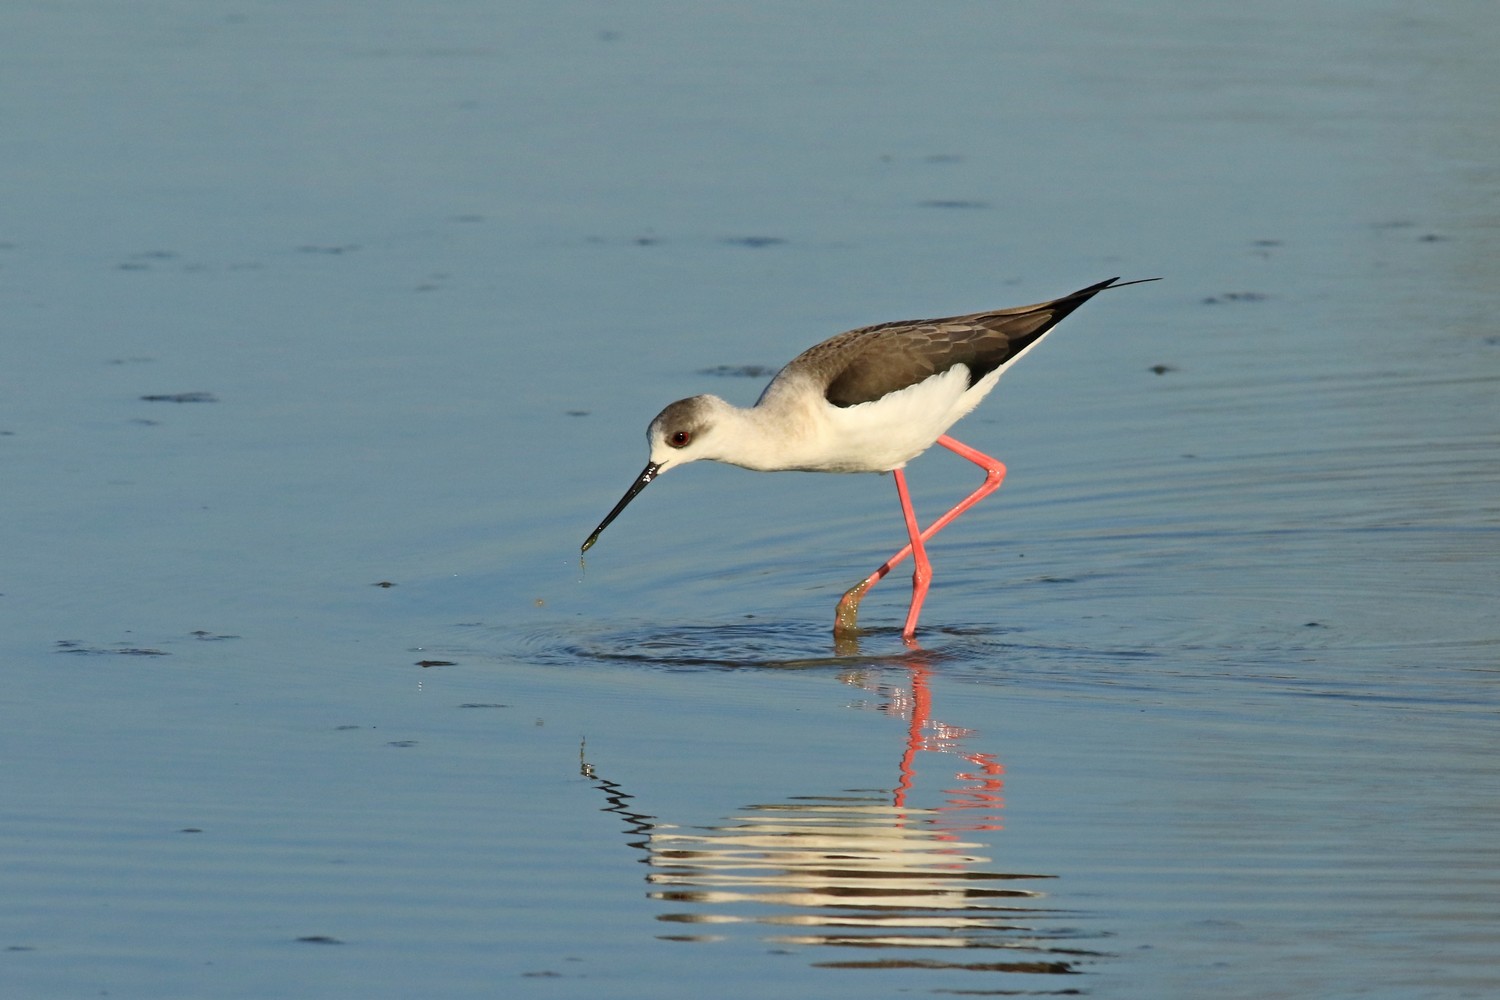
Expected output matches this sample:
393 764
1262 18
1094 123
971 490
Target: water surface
331 332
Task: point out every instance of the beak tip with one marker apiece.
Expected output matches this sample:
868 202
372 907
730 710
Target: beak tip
641 482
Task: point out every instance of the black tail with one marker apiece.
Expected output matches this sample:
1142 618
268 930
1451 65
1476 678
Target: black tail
1023 327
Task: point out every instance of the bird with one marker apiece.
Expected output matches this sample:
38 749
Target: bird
867 400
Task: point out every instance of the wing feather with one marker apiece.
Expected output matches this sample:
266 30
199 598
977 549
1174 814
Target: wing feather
865 364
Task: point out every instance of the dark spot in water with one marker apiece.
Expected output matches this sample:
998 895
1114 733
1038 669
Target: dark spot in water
191 829
1314 625
329 249
402 743
754 241
129 361
203 636
1235 297
143 261
737 371
340 729
546 974
960 203
466 218
182 397
1433 238
576 413
942 158
74 646
1162 369
383 583
1265 243
435 663
483 704
646 241
318 939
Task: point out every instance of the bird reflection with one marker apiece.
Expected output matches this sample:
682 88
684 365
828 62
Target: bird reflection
864 868
979 796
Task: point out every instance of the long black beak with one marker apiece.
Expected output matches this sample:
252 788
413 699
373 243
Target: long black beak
642 481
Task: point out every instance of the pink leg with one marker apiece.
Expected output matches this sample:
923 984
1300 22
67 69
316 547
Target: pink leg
922 575
847 615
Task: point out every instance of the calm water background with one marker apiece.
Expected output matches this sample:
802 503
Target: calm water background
1206 703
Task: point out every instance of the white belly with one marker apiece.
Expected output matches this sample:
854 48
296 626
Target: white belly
888 432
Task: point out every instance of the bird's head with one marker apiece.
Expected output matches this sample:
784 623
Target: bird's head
684 432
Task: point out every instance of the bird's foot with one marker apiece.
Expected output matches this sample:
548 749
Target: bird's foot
846 615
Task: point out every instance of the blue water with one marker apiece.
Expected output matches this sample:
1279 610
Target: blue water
306 691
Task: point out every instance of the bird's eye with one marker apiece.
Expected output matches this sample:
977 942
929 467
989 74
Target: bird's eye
679 439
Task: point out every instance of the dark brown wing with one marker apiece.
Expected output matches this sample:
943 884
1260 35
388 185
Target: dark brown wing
881 360
866 364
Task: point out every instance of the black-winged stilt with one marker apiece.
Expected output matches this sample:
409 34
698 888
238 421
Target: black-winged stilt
869 400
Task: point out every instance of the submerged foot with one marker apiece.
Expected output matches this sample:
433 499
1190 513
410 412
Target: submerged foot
846 615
